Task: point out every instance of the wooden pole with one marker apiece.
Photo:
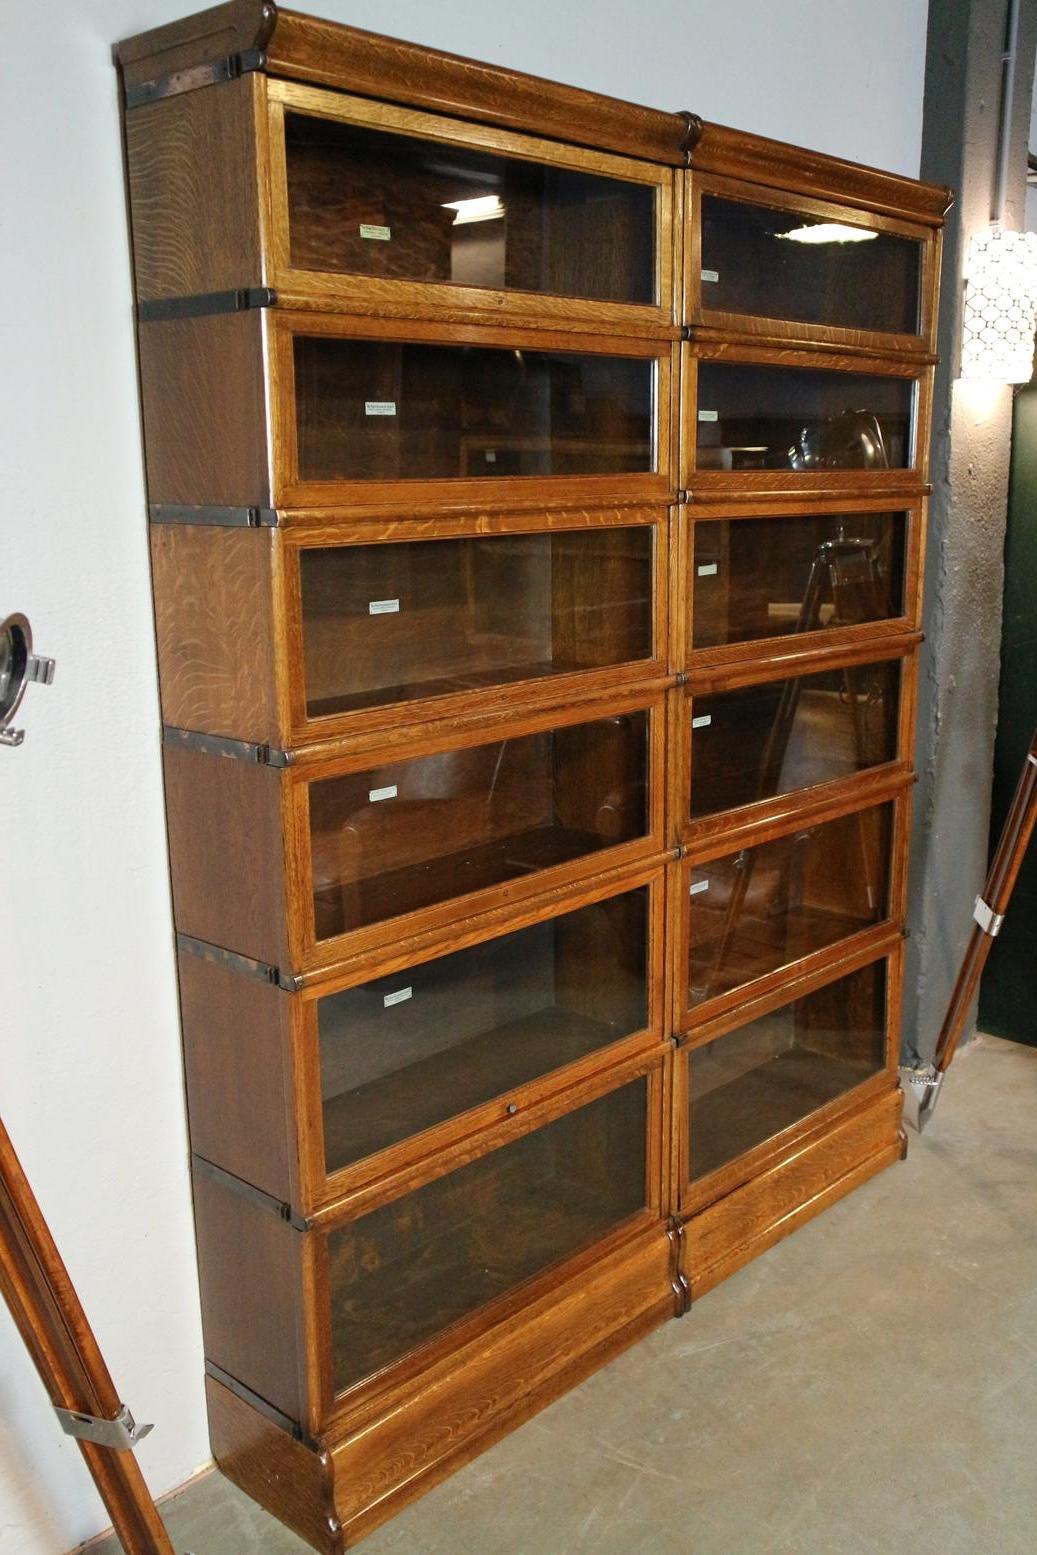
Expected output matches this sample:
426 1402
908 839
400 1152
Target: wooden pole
51 1320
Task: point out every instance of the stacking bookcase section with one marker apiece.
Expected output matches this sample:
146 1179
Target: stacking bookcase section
786 1104
387 412
755 737
776 421
398 211
395 836
456 1289
774 581
537 498
294 635
407 1053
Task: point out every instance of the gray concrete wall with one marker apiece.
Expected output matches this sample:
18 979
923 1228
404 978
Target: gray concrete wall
970 456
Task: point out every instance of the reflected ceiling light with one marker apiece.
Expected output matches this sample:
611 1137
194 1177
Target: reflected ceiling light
485 207
1000 306
828 232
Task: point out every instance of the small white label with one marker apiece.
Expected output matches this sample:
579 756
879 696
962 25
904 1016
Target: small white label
399 997
707 275
383 607
697 888
387 408
389 792
703 721
707 570
708 415
375 234
491 456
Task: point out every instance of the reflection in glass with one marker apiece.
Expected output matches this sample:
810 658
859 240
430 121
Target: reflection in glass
389 410
406 1052
757 910
407 1271
795 418
367 202
785 265
768 577
388 623
750 1084
408 834
757 741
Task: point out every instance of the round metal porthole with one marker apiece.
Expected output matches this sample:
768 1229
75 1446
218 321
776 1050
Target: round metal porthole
18 666
15 651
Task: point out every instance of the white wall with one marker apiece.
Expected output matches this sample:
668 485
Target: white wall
90 1077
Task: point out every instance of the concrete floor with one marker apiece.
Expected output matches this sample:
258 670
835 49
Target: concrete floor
868 1386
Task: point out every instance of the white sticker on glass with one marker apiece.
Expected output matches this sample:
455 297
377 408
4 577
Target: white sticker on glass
703 721
383 607
389 792
379 407
375 234
707 570
697 888
711 275
708 415
398 997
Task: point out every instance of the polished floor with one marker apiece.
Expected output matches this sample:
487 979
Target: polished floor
868 1386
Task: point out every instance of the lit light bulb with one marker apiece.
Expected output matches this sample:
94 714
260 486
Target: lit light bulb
484 207
828 232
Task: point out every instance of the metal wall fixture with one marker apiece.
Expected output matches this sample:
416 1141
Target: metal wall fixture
19 667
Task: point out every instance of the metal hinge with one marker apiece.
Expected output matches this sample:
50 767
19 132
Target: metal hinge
231 518
241 300
213 72
260 971
989 920
262 755
120 1435
679 1282
245 1190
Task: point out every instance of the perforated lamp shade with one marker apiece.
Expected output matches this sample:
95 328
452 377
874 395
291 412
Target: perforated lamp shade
1000 307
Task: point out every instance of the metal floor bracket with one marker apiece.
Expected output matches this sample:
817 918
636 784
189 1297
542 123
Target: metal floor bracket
120 1435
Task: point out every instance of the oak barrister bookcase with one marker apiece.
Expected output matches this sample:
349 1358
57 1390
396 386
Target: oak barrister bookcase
537 489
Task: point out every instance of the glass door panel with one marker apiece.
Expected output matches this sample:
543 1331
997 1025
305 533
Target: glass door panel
406 835
801 419
389 410
385 624
757 741
756 1081
756 578
364 201
408 1051
406 1272
809 269
757 910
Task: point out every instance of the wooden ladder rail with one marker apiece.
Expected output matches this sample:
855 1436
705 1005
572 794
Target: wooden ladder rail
48 1314
991 907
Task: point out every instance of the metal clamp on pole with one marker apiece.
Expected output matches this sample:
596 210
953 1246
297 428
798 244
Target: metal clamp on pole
121 1434
989 920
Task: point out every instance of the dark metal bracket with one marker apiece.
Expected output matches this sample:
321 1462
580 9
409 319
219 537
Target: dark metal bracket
220 745
261 971
199 304
212 72
679 1282
261 1405
693 127
230 518
256 1196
